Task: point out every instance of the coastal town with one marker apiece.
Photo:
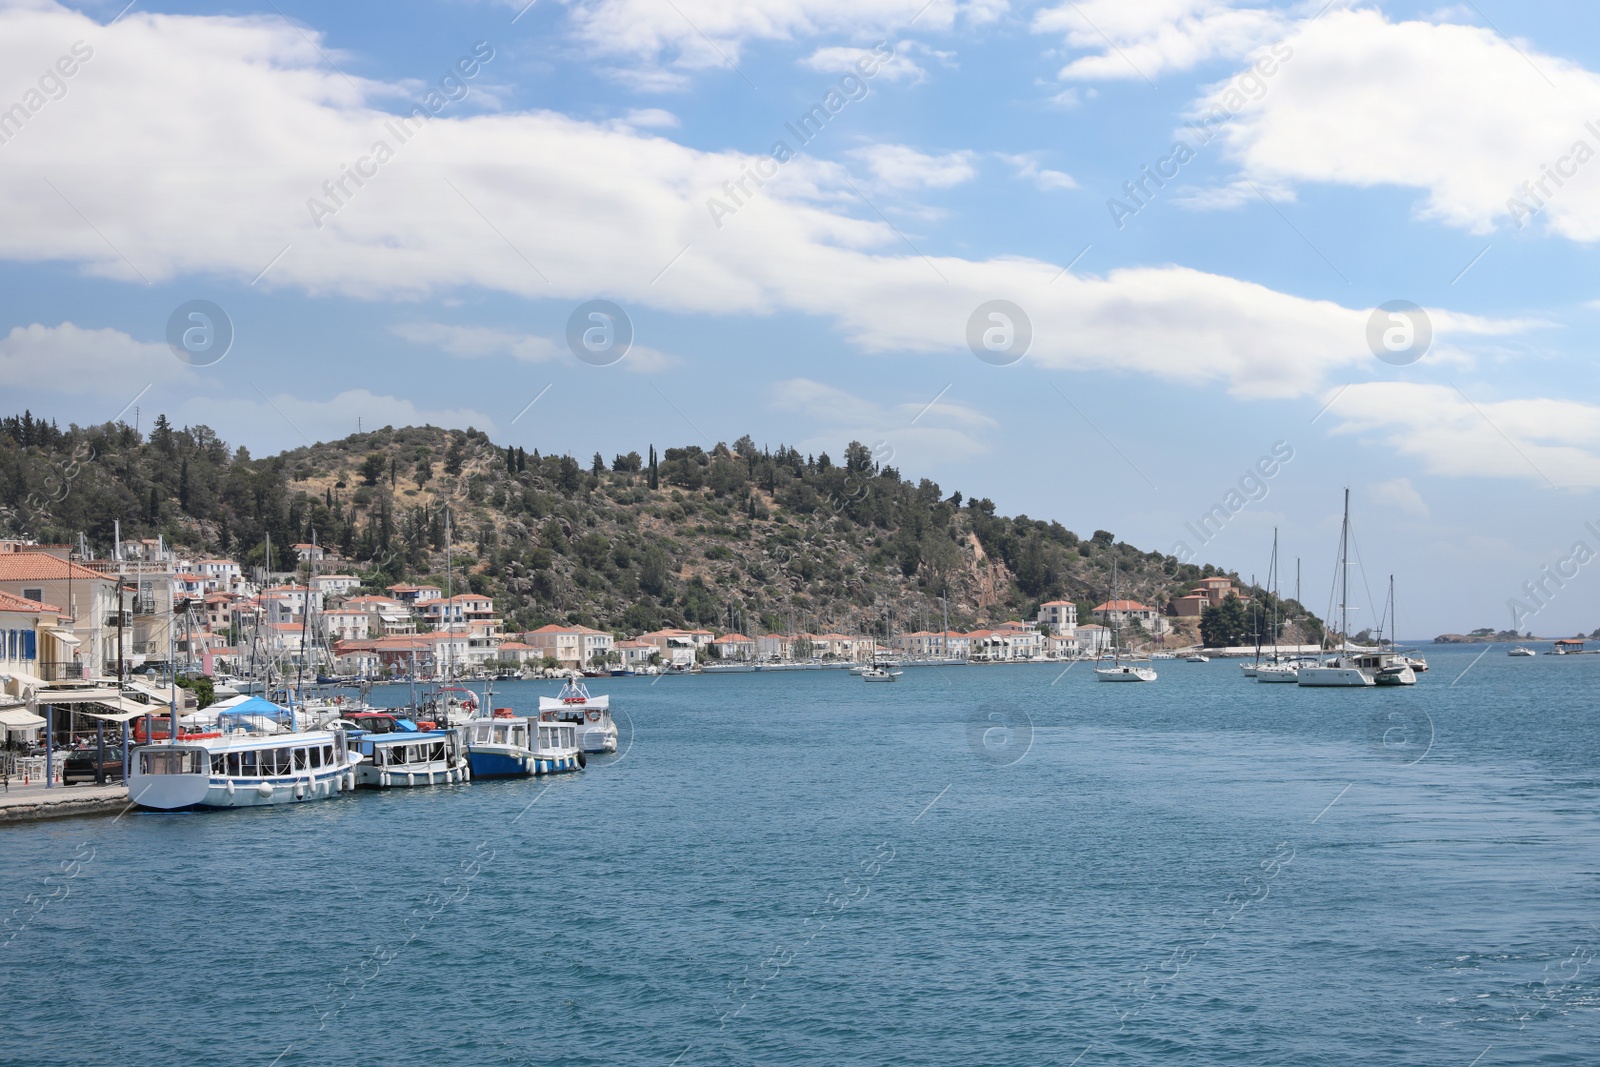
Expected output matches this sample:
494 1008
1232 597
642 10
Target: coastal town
70 617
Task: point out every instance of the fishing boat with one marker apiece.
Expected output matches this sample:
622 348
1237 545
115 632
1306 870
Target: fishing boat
507 745
397 752
256 756
880 674
1119 671
1196 657
590 714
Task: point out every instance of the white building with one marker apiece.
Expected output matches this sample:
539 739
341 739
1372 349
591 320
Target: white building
1061 616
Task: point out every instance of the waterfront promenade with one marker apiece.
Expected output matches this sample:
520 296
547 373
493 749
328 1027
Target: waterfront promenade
23 803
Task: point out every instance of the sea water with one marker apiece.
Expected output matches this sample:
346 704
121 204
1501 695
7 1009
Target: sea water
973 865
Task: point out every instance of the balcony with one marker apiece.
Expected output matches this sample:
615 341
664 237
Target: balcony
61 672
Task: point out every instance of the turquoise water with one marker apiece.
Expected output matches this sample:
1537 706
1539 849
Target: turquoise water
984 865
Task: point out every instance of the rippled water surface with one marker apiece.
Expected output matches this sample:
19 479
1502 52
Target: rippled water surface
977 865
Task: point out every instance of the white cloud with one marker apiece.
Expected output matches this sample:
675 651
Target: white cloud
477 342
71 359
189 110
285 421
1400 494
1153 37
941 430
839 59
1534 439
652 117
688 35
1452 110
899 166
1028 169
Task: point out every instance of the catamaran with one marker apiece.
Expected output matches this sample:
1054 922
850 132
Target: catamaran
591 715
1119 671
1353 668
256 756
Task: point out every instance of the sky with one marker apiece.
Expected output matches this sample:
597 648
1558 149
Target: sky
1100 261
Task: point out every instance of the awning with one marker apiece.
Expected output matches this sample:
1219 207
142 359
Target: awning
62 697
120 716
64 636
19 719
23 679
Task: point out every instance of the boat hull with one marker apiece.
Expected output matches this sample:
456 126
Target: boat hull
1278 675
601 737
1124 674
517 763
179 792
1403 675
1333 678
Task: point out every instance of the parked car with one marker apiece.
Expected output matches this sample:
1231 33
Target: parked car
83 765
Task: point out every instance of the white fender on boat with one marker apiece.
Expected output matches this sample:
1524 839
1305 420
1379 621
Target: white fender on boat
264 789
230 788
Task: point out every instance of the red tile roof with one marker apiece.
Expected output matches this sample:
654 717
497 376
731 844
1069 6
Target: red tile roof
39 567
12 602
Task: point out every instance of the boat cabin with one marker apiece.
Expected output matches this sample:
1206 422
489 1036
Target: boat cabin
499 731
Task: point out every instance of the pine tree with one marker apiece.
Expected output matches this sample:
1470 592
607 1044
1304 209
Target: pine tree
655 475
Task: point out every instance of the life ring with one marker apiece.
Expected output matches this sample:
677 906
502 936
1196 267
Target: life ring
593 716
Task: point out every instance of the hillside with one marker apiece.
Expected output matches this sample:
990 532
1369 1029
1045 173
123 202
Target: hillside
777 538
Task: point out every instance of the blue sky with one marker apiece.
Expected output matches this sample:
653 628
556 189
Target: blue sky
1368 158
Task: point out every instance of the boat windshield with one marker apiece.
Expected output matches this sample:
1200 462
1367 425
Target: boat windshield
179 761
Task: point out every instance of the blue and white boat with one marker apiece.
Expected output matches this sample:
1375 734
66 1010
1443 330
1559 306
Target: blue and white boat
506 745
396 752
255 756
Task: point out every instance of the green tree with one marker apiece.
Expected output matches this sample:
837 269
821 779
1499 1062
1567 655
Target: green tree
372 467
1226 624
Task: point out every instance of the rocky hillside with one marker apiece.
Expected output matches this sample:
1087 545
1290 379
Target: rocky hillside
759 537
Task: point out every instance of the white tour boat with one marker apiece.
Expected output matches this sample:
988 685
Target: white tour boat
396 752
590 714
255 757
513 746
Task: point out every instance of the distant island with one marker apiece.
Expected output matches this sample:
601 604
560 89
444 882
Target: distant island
1488 635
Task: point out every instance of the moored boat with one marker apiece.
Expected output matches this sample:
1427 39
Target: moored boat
256 757
507 745
397 752
880 674
596 731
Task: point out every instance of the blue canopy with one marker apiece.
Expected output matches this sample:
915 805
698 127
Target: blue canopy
257 706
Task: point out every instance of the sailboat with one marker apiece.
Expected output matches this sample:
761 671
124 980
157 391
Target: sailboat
880 672
1398 672
1351 668
1249 669
1521 651
1275 669
1119 671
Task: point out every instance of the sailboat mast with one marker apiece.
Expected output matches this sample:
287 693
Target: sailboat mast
1344 576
